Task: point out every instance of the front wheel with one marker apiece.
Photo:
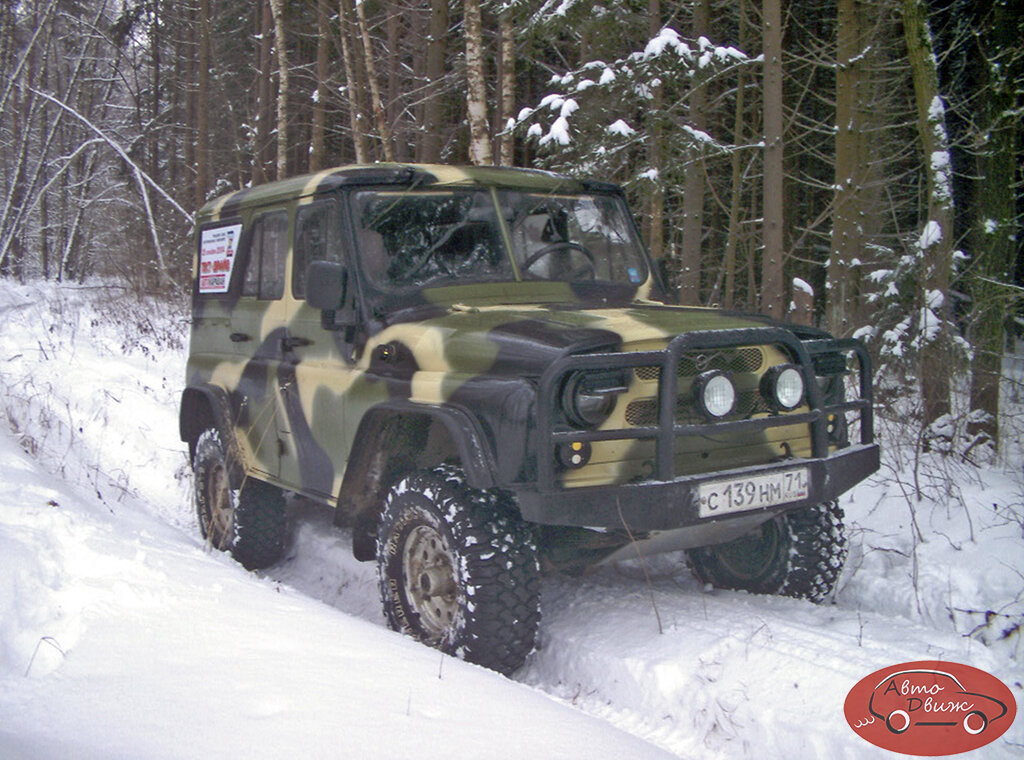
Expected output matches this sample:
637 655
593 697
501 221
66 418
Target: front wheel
458 570
250 521
898 721
798 554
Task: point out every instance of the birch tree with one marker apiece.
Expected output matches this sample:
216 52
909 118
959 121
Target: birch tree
480 152
507 80
353 85
281 47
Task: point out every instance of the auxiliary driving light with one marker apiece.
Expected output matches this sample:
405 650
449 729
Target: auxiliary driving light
783 387
715 393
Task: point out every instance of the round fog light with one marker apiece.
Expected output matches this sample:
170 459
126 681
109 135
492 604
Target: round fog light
789 388
783 387
716 395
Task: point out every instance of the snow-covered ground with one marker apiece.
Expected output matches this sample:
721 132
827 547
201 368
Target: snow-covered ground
121 635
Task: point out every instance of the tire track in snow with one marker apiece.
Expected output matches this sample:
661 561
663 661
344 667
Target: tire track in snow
730 675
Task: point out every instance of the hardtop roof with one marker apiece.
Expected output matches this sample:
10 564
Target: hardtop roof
425 175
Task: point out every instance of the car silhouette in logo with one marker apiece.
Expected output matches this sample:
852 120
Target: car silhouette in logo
930 698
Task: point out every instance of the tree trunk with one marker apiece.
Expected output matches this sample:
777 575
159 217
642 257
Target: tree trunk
437 45
693 183
476 90
353 87
507 46
371 74
684 282
736 183
202 106
936 244
316 149
847 242
154 140
281 46
261 159
772 302
992 236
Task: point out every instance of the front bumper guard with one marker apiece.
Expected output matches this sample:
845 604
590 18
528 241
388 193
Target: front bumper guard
665 502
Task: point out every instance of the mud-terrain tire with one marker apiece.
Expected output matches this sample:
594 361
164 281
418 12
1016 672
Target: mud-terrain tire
458 569
798 554
250 522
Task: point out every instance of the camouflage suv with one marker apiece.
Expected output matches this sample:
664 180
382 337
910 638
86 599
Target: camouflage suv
478 369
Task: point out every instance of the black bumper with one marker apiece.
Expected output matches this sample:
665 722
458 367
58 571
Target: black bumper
665 501
660 505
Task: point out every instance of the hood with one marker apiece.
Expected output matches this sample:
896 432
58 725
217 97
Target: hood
524 340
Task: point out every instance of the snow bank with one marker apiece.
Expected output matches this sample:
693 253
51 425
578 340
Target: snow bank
121 636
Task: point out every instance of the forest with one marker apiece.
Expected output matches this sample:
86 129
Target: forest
855 164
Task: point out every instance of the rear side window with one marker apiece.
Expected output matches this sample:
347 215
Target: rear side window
268 251
317 238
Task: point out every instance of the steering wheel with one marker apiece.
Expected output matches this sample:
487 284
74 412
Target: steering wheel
431 255
565 245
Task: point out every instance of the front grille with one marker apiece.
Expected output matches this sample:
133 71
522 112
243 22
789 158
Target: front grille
693 363
644 412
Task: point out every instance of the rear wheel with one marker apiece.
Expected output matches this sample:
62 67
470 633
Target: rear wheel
458 570
798 554
249 521
975 722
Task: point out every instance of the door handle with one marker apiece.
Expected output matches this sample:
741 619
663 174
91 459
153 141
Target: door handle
238 337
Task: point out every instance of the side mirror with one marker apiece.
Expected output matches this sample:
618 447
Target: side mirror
327 290
326 285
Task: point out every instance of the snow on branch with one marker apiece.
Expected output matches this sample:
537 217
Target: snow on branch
143 178
599 108
930 235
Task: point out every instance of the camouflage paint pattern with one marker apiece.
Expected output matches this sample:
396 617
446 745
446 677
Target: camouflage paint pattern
298 392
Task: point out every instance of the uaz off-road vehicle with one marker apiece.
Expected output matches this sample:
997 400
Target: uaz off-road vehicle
477 368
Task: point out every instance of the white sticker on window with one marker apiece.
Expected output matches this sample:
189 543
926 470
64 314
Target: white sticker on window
217 248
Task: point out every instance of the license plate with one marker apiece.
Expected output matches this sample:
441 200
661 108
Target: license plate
722 497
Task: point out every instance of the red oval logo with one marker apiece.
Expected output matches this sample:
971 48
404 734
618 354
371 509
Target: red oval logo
930 708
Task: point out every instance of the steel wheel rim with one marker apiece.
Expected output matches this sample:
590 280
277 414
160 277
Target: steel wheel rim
428 573
750 557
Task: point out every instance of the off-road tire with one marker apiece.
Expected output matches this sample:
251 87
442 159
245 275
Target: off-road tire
438 534
799 554
250 522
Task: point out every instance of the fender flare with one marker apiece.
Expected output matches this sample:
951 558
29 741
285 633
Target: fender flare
204 406
474 452
367 475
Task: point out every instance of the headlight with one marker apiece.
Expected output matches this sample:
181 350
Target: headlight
714 394
783 387
589 397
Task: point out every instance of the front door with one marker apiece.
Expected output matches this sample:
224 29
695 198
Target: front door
316 367
257 325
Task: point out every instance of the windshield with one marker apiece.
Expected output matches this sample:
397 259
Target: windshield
413 239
